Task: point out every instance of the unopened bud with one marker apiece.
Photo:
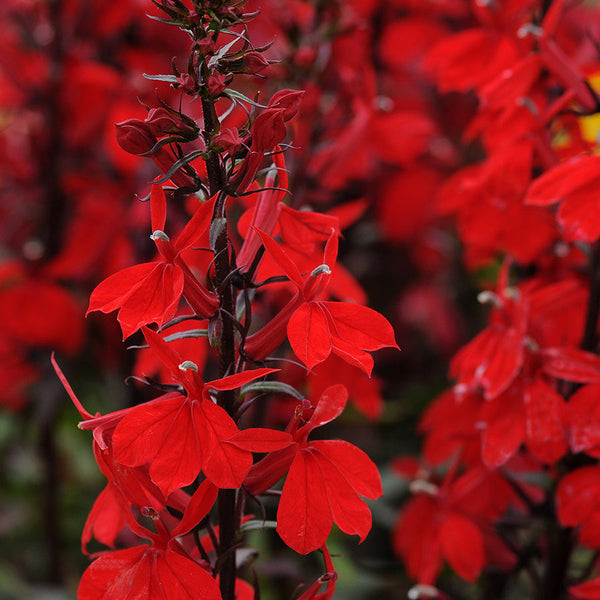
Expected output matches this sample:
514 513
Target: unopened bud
216 83
162 121
288 100
135 136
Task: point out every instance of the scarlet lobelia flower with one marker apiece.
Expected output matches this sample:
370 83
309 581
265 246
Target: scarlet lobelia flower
179 435
316 328
162 568
324 482
150 292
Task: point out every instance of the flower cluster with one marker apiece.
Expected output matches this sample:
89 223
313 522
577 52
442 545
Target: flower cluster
214 306
507 479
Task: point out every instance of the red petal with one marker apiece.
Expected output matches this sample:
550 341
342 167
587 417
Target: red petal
223 463
589 590
304 518
556 183
281 259
502 438
140 434
361 326
578 496
113 575
196 226
416 538
155 300
158 208
144 573
462 546
358 469
237 380
105 521
162 432
114 290
544 418
200 503
350 513
572 364
261 440
330 406
308 333
583 411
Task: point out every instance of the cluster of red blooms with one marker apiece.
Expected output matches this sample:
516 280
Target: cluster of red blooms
508 481
417 113
224 299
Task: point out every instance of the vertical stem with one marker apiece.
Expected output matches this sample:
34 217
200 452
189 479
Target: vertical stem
49 165
228 521
554 582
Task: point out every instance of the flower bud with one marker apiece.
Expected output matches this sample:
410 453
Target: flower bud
268 130
229 139
216 83
252 62
135 136
162 121
287 100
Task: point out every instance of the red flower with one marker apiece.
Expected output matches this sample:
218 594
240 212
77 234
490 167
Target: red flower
150 292
324 482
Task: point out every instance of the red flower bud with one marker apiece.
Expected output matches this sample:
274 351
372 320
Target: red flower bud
287 100
205 45
163 122
268 130
135 136
216 83
188 83
229 139
254 62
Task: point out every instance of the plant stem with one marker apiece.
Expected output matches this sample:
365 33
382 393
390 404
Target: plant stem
228 523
